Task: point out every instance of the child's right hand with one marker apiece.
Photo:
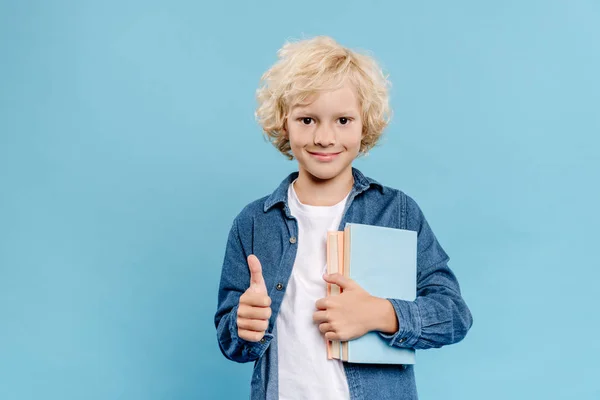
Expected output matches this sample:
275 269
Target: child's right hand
254 308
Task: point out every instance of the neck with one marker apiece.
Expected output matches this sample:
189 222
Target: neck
323 192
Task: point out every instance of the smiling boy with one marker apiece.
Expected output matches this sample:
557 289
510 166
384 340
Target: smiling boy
325 105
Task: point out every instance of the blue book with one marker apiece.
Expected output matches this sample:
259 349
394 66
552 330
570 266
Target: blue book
383 261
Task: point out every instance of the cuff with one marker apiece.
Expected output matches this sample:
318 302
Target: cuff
255 349
409 324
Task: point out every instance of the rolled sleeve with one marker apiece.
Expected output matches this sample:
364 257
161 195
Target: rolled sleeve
410 330
234 347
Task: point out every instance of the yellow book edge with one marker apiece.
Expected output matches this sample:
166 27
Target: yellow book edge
336 290
333 347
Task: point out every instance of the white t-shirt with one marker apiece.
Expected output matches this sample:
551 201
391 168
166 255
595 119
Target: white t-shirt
303 368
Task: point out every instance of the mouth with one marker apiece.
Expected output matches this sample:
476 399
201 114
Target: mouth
321 156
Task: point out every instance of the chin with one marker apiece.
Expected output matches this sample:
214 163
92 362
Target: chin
326 171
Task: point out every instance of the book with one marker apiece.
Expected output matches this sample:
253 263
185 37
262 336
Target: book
383 261
335 263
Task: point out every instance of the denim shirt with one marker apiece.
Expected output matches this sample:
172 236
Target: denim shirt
438 316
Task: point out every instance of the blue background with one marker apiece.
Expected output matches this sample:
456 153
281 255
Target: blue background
128 144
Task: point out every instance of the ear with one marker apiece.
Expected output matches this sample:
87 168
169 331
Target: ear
284 128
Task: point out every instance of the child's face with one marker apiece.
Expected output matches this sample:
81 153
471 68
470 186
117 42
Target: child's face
325 135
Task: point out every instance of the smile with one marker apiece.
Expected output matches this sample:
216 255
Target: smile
324 156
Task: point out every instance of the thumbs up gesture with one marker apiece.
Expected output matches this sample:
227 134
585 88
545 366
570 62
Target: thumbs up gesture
254 308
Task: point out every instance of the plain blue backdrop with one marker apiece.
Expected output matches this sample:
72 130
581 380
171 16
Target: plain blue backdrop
128 144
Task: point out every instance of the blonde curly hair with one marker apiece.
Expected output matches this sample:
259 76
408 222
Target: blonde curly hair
318 64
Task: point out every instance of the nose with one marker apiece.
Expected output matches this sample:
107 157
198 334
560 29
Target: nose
324 136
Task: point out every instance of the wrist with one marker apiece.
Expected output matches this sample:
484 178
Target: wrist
385 319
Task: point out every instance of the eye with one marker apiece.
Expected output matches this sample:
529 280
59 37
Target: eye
344 120
306 120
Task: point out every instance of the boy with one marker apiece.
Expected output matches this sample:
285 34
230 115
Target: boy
325 105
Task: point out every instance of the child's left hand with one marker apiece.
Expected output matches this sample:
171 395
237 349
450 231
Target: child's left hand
354 312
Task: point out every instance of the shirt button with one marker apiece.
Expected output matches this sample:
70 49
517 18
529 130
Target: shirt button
263 340
293 239
279 286
402 340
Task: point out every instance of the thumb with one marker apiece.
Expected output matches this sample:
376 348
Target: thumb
257 281
340 280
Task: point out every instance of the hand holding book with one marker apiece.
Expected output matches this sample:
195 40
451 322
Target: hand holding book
354 312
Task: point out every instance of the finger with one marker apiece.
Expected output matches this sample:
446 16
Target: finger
339 279
246 311
325 327
257 325
333 336
257 282
250 336
323 304
254 299
320 316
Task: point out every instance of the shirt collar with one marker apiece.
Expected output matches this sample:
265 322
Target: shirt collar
280 195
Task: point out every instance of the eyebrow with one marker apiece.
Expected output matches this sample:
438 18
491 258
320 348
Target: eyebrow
300 110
